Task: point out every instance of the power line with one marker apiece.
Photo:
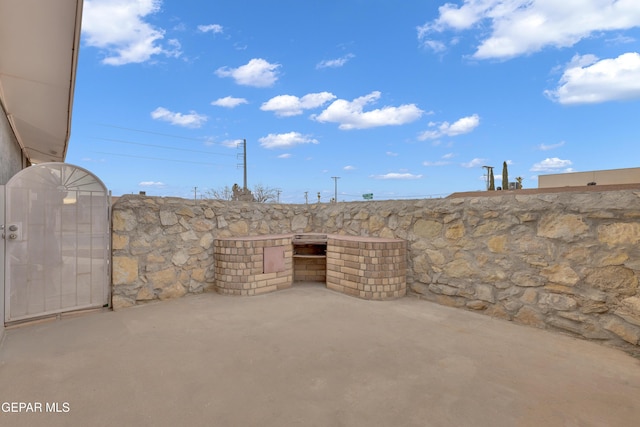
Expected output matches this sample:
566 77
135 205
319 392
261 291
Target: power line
156 158
122 141
149 132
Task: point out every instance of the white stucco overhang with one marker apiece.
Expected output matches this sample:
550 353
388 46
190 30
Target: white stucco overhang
39 41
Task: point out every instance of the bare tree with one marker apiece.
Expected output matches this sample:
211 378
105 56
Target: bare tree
260 194
220 194
264 194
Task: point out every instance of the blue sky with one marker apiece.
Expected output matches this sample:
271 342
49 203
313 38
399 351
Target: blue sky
400 99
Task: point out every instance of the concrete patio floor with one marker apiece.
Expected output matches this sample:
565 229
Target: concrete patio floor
308 356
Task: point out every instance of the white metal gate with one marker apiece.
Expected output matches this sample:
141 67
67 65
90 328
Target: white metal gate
57 241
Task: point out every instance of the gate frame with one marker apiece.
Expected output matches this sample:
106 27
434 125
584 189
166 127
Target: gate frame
5 297
2 261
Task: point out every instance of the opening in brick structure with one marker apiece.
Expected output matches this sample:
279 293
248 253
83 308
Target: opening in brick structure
310 258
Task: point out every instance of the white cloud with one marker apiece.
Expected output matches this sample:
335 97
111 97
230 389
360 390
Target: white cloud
286 140
443 162
434 45
621 39
211 28
436 163
350 114
547 147
232 143
396 175
459 127
289 105
349 168
587 80
391 154
335 63
229 102
191 120
475 163
119 29
284 156
257 72
151 184
521 27
552 164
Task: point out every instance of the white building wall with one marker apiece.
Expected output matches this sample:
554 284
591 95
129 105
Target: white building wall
602 177
11 158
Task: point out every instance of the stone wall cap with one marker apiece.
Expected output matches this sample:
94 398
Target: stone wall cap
255 238
348 238
363 238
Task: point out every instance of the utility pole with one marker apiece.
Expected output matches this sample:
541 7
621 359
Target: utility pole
335 180
195 194
306 197
244 163
278 191
489 173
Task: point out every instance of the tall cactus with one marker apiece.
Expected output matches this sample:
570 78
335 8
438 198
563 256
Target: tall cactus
505 176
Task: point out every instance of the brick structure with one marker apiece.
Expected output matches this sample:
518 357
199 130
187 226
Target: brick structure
246 265
309 269
365 267
368 268
310 257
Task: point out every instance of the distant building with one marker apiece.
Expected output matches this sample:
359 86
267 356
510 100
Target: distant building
579 179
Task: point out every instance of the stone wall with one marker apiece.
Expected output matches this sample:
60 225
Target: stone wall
563 261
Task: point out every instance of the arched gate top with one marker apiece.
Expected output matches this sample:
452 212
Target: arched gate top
63 176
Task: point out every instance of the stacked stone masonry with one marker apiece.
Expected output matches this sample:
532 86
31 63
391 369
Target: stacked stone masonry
562 261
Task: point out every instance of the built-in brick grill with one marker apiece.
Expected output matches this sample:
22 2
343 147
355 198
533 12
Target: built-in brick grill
309 257
309 245
362 266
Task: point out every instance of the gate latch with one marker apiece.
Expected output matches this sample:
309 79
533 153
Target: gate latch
15 232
